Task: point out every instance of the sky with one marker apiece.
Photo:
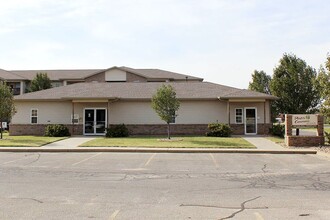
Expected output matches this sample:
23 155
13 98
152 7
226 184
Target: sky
222 41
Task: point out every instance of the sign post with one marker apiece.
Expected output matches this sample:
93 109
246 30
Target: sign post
301 121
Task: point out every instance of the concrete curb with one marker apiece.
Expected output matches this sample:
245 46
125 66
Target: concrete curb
157 150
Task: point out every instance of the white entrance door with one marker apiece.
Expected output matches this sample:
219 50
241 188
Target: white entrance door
250 122
95 121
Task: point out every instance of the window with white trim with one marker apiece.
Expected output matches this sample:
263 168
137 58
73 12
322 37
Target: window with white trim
172 121
34 116
75 118
239 116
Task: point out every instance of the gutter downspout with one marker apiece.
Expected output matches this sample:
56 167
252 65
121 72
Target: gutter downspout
265 117
72 118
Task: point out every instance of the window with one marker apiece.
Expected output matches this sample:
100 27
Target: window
173 117
75 118
239 116
34 116
56 84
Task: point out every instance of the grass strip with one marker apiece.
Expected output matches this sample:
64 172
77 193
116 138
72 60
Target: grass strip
177 142
27 141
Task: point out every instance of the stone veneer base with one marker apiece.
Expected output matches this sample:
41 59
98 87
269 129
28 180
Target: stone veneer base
136 129
304 141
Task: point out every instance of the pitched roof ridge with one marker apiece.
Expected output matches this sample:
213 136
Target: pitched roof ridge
138 70
53 70
10 72
132 70
230 87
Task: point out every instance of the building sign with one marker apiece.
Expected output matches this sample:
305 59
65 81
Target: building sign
304 120
4 125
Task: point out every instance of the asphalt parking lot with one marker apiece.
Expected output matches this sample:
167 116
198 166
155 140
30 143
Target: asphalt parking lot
163 186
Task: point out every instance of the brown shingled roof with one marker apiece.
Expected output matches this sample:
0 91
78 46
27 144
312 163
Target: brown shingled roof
80 74
245 93
54 75
160 74
6 75
191 90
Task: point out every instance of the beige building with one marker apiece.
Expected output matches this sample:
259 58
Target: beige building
123 95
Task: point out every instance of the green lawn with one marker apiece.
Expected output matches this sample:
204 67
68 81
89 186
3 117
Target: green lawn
327 130
183 142
26 141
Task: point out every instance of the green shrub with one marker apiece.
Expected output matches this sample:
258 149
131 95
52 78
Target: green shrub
57 130
117 131
328 136
219 130
277 130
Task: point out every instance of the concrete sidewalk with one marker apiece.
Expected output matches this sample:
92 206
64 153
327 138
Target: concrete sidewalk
263 143
69 143
264 146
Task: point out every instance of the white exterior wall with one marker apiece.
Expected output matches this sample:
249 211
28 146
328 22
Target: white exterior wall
115 75
48 112
258 105
190 112
202 112
127 112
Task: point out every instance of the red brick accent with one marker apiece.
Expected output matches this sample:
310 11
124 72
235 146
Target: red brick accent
288 125
100 77
135 129
130 77
161 129
304 140
238 129
320 125
39 129
77 129
27 129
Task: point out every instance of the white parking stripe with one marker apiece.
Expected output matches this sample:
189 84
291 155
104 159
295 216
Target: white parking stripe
214 161
113 216
74 164
12 161
147 163
258 216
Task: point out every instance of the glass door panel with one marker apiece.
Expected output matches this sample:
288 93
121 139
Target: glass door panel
89 121
250 121
100 121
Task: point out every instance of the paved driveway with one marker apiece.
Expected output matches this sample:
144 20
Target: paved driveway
163 186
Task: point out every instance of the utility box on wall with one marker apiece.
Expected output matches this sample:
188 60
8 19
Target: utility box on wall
301 121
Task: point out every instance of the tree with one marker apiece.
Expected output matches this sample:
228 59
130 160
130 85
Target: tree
40 82
294 82
165 103
323 80
7 108
260 82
